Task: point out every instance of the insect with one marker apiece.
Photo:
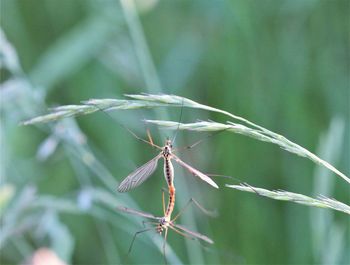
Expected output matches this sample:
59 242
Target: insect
138 176
165 222
162 224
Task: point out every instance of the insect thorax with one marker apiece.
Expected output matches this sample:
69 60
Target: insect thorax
167 149
163 223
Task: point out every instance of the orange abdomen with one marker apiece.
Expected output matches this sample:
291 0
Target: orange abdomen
171 202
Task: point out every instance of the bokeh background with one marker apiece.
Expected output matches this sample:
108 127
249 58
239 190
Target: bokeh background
282 64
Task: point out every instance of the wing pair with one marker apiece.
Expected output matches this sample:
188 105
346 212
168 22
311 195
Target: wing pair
142 173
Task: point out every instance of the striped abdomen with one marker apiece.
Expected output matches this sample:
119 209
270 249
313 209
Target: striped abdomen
171 202
168 171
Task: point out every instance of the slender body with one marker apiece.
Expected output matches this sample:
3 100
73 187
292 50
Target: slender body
169 177
168 166
171 202
166 219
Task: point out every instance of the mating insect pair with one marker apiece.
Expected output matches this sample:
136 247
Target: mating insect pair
142 173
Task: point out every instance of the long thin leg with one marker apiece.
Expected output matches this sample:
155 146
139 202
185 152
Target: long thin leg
205 211
141 139
163 201
149 136
149 222
164 190
247 185
135 235
164 244
178 124
196 143
163 198
189 146
188 236
181 233
126 128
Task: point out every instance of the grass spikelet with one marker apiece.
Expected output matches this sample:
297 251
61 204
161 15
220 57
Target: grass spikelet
321 201
284 143
248 128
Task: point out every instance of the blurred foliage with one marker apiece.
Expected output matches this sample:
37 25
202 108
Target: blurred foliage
283 64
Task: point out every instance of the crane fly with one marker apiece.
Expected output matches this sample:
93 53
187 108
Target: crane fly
162 224
138 176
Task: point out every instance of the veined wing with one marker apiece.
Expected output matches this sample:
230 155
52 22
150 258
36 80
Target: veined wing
195 172
193 234
136 212
140 174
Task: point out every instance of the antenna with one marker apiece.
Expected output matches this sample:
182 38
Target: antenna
178 124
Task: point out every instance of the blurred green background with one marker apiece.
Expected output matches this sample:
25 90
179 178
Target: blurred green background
282 64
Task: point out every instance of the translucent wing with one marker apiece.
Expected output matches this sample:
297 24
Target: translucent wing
195 172
193 234
135 212
138 176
